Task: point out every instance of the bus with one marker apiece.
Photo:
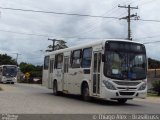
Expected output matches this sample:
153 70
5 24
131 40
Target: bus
108 69
8 73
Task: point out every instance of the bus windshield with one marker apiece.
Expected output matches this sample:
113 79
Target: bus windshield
125 61
10 71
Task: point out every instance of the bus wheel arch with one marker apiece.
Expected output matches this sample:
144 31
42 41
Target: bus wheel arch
85 91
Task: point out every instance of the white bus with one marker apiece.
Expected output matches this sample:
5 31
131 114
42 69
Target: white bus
8 73
107 69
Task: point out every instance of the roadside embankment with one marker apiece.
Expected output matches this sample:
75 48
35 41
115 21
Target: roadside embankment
1 89
150 99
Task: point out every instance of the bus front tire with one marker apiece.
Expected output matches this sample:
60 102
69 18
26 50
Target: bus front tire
122 101
85 93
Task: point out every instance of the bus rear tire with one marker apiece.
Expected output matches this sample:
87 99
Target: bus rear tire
55 88
85 93
122 101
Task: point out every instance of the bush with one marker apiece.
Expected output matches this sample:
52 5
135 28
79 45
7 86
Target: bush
156 87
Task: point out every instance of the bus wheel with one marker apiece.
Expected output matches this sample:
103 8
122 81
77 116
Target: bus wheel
85 93
122 101
55 91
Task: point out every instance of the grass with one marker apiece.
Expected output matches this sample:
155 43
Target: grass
152 94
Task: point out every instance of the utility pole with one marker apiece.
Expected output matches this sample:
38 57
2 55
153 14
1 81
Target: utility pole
129 18
54 40
17 54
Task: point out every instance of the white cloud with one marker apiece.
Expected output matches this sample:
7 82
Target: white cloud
65 26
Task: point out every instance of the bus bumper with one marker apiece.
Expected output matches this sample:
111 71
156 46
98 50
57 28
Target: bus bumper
8 80
115 94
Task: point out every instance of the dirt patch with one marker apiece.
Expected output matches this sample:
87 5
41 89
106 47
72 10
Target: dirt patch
1 89
150 99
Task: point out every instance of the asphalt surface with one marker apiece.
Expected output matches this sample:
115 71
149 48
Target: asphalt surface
36 99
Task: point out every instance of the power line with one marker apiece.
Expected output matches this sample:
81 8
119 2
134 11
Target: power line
61 37
151 42
94 25
148 20
144 3
41 35
22 33
148 37
70 14
33 58
31 34
59 13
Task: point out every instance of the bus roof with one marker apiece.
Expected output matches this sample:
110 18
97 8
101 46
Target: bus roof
93 43
7 65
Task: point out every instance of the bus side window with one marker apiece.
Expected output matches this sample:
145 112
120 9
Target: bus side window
86 59
76 59
46 62
59 61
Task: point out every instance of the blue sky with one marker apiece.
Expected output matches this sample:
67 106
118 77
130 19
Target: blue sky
62 26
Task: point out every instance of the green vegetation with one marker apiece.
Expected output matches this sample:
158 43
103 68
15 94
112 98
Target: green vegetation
153 64
152 94
60 44
5 59
34 71
156 87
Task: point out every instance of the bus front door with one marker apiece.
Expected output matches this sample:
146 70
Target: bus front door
96 73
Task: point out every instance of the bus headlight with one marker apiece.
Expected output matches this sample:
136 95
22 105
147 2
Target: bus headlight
109 85
143 86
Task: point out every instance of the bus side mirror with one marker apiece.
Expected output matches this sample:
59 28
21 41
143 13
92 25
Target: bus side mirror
103 58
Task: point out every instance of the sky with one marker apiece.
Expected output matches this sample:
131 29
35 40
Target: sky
17 27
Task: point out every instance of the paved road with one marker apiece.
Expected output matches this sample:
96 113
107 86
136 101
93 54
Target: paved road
30 99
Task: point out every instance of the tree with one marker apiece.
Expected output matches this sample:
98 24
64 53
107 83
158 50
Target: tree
60 44
35 71
25 67
153 64
5 59
156 87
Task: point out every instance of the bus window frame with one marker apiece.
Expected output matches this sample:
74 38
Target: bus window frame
80 59
46 60
87 57
56 61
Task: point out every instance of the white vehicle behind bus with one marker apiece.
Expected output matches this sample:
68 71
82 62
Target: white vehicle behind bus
107 69
8 73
